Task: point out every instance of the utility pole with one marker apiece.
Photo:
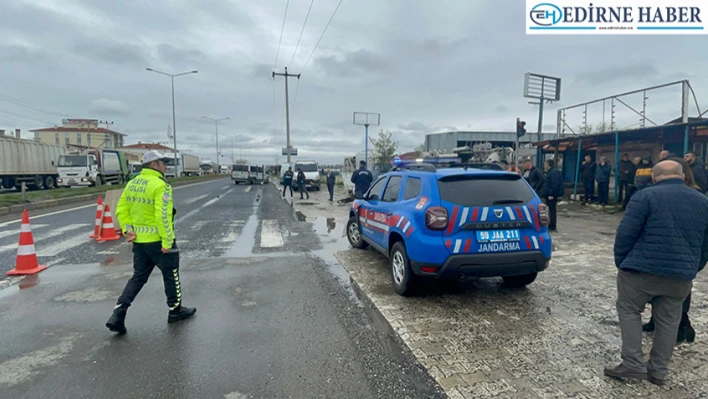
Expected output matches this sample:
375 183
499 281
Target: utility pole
287 106
216 127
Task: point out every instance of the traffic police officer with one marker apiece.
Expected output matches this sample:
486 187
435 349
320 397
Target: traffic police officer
146 215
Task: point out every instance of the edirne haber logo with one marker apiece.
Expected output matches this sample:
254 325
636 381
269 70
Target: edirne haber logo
617 17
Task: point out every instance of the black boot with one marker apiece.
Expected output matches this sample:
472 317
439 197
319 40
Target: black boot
117 321
181 313
649 326
685 331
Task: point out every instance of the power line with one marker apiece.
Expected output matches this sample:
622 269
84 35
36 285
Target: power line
320 39
25 104
29 118
282 28
301 32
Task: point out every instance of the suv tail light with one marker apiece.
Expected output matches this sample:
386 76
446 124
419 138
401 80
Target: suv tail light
436 218
543 215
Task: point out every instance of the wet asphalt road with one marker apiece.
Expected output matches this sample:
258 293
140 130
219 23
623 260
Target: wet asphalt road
274 318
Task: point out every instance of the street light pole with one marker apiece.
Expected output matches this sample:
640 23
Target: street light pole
216 124
174 117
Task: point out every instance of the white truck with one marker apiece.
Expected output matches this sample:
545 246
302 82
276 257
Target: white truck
28 161
92 168
311 169
191 165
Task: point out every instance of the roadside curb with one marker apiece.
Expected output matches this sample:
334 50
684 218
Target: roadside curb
14 209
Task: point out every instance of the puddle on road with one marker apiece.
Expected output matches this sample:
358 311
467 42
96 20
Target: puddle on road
243 246
333 237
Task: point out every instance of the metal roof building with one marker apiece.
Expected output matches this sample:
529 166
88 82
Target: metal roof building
451 140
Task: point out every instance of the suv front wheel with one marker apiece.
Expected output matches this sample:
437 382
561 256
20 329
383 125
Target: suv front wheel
354 234
403 278
520 281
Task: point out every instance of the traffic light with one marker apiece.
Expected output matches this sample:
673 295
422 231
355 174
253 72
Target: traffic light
520 128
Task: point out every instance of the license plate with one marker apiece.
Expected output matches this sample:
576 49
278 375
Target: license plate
498 235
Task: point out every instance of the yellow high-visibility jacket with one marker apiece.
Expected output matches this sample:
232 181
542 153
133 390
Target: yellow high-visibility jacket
145 207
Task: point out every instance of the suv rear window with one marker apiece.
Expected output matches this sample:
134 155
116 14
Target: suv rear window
485 190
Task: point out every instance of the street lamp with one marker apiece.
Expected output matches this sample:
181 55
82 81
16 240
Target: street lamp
174 119
216 124
240 157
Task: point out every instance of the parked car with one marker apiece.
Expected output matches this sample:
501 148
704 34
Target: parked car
453 222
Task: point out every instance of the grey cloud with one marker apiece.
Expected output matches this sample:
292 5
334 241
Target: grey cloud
634 72
501 109
174 56
415 126
111 51
105 106
354 63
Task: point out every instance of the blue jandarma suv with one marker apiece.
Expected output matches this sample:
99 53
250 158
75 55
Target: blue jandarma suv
453 223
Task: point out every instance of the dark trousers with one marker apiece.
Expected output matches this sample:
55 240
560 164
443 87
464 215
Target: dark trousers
603 192
552 212
589 185
623 188
301 187
331 192
145 258
630 192
286 186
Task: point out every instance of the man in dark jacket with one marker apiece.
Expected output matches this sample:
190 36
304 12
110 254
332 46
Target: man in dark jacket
553 191
642 179
331 179
660 246
288 181
534 177
603 171
301 183
698 167
626 170
362 179
587 169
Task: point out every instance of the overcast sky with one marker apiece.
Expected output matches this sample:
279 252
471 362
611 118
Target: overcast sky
425 66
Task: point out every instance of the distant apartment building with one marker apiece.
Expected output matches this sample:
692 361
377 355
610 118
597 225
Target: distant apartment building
80 132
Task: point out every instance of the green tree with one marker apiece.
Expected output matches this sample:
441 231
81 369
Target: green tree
420 148
384 148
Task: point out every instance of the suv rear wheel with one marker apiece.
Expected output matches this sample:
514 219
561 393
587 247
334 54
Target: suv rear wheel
404 280
354 234
520 281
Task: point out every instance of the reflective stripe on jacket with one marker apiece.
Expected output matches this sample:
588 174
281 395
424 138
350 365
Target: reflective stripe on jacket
145 207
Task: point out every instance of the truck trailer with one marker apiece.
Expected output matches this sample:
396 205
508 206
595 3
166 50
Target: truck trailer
28 161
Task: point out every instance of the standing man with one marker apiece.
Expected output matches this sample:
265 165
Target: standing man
603 170
698 167
288 181
553 191
362 179
660 246
331 179
533 176
588 171
146 215
301 183
626 169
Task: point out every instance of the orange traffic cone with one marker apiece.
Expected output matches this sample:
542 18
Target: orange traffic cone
99 217
108 231
26 262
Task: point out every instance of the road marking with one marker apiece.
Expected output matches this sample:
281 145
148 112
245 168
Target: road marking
62 230
107 253
17 232
271 237
65 245
248 189
195 199
4 224
204 205
226 187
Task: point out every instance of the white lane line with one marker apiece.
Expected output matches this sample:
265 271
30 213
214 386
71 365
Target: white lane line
107 253
271 237
52 234
248 189
195 199
226 187
65 245
4 224
18 221
204 205
10 233
55 261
